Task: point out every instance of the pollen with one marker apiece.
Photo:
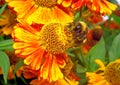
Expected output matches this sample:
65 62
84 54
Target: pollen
46 3
54 38
112 73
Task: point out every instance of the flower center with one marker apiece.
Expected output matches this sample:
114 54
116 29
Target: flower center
46 3
54 38
112 73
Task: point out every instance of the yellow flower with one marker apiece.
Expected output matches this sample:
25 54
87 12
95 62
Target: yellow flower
97 77
42 11
112 72
7 22
43 48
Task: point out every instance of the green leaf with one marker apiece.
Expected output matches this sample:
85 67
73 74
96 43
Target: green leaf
70 52
113 1
80 69
77 16
8 47
3 8
116 18
109 35
18 65
4 64
6 44
96 52
114 51
1 38
83 79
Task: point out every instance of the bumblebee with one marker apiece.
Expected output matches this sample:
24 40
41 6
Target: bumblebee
79 32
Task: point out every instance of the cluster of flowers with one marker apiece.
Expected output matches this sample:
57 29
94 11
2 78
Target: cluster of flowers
42 34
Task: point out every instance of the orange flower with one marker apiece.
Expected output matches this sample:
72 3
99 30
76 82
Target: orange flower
78 3
112 25
42 11
27 72
101 6
65 81
98 6
94 18
69 77
43 48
